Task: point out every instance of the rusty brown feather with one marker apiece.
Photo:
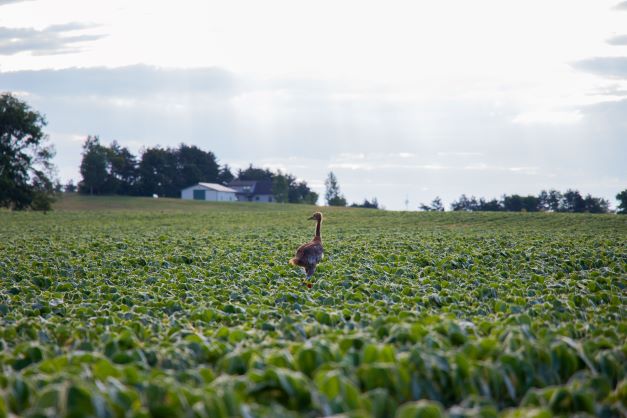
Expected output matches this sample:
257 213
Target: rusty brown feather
310 254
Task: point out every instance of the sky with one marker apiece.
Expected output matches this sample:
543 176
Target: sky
403 100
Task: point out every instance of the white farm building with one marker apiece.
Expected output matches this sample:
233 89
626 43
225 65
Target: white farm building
209 191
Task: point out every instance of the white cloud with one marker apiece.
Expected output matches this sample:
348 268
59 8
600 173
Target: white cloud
548 117
432 102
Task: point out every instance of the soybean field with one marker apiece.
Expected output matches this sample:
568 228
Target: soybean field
132 307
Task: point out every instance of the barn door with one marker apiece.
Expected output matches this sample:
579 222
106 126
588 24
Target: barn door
199 194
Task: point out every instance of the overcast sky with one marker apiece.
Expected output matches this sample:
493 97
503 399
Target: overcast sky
401 99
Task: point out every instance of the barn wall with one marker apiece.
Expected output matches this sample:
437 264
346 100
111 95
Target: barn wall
187 193
210 195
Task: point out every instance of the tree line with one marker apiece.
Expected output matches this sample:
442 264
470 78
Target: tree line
113 169
27 174
552 200
285 187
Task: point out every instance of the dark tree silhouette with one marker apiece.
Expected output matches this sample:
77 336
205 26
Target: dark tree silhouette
107 170
225 176
25 157
622 206
332 194
367 204
70 187
572 202
281 187
253 173
195 165
436 206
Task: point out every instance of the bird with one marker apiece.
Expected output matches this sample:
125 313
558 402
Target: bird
310 254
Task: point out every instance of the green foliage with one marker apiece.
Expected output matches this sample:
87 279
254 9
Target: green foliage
182 309
25 158
332 191
622 198
373 204
285 187
553 200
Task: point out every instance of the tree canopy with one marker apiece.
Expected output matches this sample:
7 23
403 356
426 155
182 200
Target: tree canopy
285 187
114 169
552 200
26 169
622 198
332 194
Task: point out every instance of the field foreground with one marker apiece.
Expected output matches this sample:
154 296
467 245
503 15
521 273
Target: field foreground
113 307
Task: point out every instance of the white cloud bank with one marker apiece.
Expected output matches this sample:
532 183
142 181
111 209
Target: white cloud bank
400 98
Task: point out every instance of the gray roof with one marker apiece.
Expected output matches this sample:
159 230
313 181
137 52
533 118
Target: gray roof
252 187
214 186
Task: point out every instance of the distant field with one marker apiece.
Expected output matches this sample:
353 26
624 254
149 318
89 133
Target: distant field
138 307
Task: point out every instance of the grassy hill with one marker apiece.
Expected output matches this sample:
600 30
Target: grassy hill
114 306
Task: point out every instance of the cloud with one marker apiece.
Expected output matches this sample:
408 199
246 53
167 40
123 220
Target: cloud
5 2
554 117
135 82
459 154
450 147
615 90
52 40
618 40
621 6
613 67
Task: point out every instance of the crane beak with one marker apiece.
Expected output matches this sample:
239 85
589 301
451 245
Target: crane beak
311 218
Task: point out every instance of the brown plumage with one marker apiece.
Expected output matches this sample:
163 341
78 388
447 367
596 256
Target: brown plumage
310 254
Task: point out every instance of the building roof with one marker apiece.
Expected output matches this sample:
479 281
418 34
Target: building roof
215 187
252 187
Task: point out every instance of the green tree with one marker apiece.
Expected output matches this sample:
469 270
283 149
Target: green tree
281 187
225 176
254 173
195 165
332 193
622 206
122 169
93 167
25 157
69 187
367 204
467 204
301 193
490 205
436 205
158 173
572 202
596 204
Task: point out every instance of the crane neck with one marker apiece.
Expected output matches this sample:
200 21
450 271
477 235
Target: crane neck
318 229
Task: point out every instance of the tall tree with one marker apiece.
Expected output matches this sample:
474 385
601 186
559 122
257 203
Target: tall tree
195 165
367 204
436 205
622 206
69 187
554 200
281 187
25 157
107 170
225 176
301 193
573 202
465 203
254 173
158 173
596 204
122 167
490 205
93 167
332 193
